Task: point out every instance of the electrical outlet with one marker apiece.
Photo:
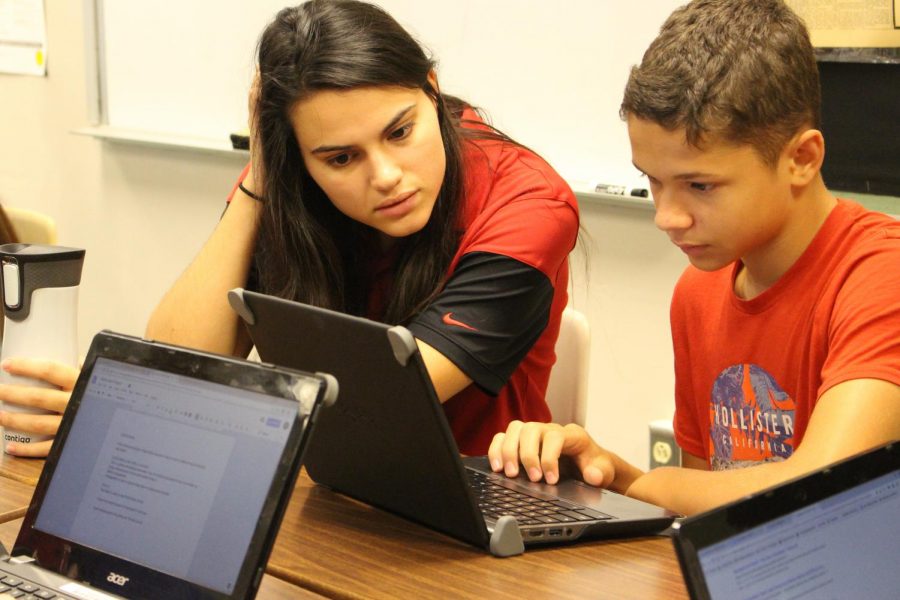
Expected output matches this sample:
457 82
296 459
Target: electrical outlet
664 452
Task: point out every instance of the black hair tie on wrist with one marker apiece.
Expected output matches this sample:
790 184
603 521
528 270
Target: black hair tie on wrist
248 192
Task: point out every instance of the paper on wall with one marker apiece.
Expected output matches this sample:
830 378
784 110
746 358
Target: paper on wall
23 37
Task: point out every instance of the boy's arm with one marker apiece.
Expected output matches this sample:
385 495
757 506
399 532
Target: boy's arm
850 417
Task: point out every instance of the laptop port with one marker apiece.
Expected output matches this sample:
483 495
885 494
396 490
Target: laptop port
555 532
535 534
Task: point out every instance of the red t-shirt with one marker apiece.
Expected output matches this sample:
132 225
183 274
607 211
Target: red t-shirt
518 207
749 373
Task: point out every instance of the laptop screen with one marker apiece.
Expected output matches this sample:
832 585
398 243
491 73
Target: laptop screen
167 471
843 546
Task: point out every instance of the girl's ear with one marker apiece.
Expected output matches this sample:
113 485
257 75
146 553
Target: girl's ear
806 155
433 81
432 89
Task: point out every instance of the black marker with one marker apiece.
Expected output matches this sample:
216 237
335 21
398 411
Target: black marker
621 190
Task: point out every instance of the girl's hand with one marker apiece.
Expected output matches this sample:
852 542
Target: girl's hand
54 399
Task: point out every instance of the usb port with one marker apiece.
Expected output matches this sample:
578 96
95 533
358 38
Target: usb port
555 532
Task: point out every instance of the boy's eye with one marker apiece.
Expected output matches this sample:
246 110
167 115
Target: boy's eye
701 187
651 180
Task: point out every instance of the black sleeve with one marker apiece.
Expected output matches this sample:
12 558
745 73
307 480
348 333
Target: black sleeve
488 317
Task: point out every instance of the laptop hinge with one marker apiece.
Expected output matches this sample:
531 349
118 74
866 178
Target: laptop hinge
506 539
21 560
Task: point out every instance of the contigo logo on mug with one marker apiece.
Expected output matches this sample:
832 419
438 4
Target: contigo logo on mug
117 579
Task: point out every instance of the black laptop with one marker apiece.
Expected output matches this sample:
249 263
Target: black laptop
168 477
834 533
388 443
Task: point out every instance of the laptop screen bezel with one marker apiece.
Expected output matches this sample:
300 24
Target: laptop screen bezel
698 532
88 565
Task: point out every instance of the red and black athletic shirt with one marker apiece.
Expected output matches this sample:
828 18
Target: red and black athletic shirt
498 316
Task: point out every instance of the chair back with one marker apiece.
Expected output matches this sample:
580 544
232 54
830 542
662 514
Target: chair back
567 391
32 227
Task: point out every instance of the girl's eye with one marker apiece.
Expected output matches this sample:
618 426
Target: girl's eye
400 133
340 160
701 187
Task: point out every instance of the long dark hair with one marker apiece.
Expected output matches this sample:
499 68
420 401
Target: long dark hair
307 250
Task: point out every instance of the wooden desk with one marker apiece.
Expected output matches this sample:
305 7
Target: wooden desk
8 532
26 470
18 476
342 548
331 545
14 499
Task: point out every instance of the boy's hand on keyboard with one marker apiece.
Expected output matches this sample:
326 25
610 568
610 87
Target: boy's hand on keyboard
539 446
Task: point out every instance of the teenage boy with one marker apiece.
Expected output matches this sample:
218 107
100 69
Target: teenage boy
786 325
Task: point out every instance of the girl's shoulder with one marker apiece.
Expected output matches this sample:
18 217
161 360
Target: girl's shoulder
492 165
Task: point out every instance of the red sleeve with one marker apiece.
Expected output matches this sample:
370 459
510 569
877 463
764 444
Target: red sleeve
688 424
864 341
517 206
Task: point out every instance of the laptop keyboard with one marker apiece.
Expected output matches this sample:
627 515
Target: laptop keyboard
13 587
496 500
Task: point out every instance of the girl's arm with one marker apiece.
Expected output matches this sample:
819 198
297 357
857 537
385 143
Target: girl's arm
195 311
447 378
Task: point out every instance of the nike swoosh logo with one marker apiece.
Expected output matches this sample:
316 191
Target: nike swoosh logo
449 320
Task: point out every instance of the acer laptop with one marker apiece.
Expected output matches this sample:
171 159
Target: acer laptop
834 533
168 477
388 443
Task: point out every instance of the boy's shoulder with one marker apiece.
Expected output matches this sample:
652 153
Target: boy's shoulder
866 224
854 242
861 242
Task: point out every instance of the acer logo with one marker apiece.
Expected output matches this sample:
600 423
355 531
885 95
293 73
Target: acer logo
117 579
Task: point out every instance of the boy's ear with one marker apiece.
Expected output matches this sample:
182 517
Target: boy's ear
806 153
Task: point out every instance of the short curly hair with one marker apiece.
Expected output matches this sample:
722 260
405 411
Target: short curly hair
738 71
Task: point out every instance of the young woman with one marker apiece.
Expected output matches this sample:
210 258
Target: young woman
373 193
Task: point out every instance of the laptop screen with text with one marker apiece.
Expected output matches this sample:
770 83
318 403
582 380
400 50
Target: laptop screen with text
173 485
843 546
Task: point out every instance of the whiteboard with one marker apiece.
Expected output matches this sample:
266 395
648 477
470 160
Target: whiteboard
550 74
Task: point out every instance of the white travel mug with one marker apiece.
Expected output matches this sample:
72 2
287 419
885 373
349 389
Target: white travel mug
40 304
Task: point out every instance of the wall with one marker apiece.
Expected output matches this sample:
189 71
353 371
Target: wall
623 275
142 213
548 75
